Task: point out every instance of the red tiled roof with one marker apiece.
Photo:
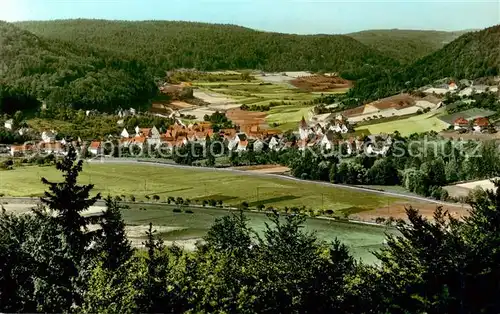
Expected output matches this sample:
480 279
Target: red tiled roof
21 147
243 144
461 121
95 144
481 122
139 139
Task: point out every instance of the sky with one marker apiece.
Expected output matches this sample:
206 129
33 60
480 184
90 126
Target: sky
287 16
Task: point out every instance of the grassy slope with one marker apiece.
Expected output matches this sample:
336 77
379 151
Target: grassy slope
361 239
416 124
140 180
406 45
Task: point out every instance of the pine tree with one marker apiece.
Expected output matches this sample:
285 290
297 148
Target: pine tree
68 200
113 243
154 296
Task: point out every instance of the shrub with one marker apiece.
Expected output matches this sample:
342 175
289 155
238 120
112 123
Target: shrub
205 202
177 210
147 197
380 220
244 205
179 201
260 206
189 211
212 202
118 198
328 212
132 198
156 197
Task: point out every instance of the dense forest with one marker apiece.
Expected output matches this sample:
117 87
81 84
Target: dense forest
167 45
35 70
405 45
472 55
58 260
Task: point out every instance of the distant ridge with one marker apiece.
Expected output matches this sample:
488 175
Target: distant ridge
406 45
168 45
472 55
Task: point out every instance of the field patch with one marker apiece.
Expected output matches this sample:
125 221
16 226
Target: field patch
186 229
321 83
291 115
141 180
415 124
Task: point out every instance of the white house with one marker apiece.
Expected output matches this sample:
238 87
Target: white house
154 139
233 143
274 144
9 124
23 131
125 133
258 145
460 123
95 148
48 136
242 145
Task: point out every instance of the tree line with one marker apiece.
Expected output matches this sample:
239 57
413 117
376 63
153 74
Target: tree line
53 261
166 45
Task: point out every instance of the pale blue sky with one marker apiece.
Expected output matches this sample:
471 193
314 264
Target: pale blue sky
299 16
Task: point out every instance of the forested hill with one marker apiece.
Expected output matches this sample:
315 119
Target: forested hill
472 55
406 45
169 45
35 69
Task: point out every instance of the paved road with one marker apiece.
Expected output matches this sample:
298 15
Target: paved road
279 176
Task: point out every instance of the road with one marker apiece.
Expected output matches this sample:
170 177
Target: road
279 176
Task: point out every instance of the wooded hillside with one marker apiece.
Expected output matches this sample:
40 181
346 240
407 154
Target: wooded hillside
405 45
472 55
169 45
35 69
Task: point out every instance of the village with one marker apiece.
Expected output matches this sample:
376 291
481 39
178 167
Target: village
326 133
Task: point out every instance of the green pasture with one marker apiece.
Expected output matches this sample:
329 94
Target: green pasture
415 124
196 184
291 114
361 239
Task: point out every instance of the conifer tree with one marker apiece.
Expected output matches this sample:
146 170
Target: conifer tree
113 243
68 200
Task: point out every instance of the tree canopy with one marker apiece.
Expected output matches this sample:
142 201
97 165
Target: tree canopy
35 70
165 45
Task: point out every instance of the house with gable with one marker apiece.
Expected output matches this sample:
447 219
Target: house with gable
481 124
48 136
460 123
95 147
258 145
125 133
9 124
154 137
274 144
